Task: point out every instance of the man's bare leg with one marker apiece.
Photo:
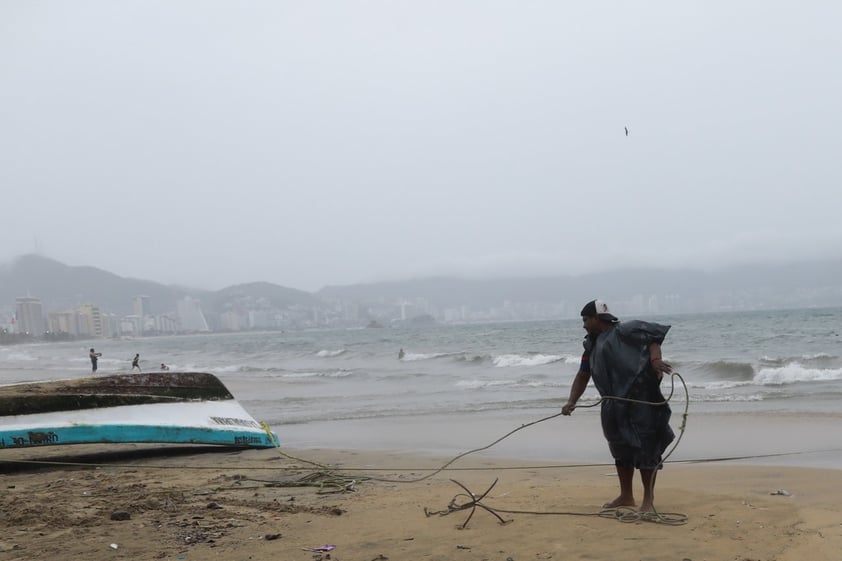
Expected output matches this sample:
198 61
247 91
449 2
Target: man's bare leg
626 498
648 478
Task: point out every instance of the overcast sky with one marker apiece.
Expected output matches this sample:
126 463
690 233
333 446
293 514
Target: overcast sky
313 143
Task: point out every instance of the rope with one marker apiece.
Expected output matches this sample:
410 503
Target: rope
328 476
328 480
622 514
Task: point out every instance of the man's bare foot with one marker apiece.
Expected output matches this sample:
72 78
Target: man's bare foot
620 501
646 506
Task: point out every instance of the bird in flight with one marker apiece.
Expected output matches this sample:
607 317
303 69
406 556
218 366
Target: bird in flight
627 130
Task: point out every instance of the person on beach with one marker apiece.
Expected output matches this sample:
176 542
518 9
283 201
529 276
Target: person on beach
164 366
136 362
94 359
401 354
624 360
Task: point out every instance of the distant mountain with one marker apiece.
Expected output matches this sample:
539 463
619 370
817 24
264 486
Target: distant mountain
260 295
61 286
793 285
484 292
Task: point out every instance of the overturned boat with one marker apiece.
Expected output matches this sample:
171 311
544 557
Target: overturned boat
160 407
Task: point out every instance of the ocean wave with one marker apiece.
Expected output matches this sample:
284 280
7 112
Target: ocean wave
774 360
505 361
817 356
219 369
476 384
259 369
324 353
106 361
727 398
729 370
409 357
319 374
20 356
479 384
466 357
821 358
718 385
537 384
794 373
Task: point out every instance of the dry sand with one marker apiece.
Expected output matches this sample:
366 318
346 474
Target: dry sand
198 504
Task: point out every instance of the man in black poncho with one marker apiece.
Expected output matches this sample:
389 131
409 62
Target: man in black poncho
624 360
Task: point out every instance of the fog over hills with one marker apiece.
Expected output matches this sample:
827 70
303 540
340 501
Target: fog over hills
61 286
805 284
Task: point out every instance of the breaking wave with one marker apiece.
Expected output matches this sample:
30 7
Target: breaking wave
504 361
409 357
794 373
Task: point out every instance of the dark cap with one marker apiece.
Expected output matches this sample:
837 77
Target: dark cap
599 309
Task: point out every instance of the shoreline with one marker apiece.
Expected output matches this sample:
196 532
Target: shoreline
797 440
189 503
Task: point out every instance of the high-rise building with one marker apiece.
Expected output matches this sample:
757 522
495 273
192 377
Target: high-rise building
68 322
30 316
140 306
166 324
94 316
190 315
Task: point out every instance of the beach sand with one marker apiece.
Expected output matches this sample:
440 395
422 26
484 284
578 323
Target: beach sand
197 504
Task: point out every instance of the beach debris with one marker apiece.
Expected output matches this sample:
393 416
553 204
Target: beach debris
320 549
326 481
270 537
120 515
114 546
380 557
214 505
782 492
459 546
472 503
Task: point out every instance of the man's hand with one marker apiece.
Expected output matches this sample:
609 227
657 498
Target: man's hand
568 408
661 367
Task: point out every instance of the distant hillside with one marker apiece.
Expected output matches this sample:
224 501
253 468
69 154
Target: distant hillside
260 295
806 284
61 286
794 285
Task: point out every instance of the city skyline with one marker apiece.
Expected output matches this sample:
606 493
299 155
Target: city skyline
256 306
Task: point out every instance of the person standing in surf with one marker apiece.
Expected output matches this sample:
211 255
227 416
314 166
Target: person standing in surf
94 359
136 362
624 360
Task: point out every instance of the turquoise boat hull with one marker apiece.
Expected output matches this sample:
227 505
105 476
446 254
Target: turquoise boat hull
170 407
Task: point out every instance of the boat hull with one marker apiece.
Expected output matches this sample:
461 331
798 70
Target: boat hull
174 408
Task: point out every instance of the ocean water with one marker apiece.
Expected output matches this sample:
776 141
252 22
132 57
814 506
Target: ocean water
461 386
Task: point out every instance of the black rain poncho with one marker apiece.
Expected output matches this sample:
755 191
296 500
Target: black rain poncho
637 433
